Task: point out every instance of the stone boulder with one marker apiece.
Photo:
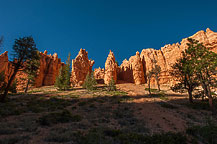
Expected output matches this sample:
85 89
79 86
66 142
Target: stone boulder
81 66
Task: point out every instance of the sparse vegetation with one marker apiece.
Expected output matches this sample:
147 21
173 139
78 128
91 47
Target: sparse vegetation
204 134
24 49
111 85
90 82
63 79
58 117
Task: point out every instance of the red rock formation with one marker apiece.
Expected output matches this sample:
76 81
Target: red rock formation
99 73
110 68
49 69
167 56
81 66
137 68
132 70
4 63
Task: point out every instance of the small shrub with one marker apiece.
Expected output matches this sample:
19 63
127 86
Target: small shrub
90 82
152 90
58 117
60 135
204 134
111 85
167 105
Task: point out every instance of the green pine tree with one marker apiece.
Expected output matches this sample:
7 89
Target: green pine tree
90 82
205 65
183 72
111 85
31 69
63 79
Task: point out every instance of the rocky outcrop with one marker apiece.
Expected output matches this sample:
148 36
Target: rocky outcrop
166 57
99 73
4 63
81 66
137 68
49 69
132 70
110 68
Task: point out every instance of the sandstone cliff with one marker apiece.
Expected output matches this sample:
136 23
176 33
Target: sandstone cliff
99 73
49 69
110 68
132 70
81 66
167 56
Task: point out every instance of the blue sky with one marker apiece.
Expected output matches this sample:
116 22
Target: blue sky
124 26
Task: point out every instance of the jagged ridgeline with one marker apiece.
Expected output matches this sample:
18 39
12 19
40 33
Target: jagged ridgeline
134 70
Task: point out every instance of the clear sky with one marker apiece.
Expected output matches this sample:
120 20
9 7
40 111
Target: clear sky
124 26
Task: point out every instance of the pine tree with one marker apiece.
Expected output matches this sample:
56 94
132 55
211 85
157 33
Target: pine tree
183 72
205 65
149 76
90 82
156 70
111 85
63 79
31 69
23 50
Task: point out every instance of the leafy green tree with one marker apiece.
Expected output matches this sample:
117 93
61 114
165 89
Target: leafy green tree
31 69
23 49
205 65
111 85
183 72
90 82
63 79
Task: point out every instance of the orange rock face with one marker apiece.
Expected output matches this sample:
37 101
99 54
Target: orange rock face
166 57
49 69
99 73
110 68
132 70
81 66
4 62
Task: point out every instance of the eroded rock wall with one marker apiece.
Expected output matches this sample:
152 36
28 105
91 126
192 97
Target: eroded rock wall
81 66
166 57
48 70
110 68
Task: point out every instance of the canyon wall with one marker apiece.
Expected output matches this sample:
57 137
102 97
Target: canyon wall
48 70
167 56
47 73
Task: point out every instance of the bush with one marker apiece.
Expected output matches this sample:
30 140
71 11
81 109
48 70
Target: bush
204 134
13 87
90 82
59 117
111 85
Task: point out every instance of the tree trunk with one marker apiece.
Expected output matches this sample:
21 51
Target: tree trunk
3 97
190 95
212 106
149 86
27 86
158 85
